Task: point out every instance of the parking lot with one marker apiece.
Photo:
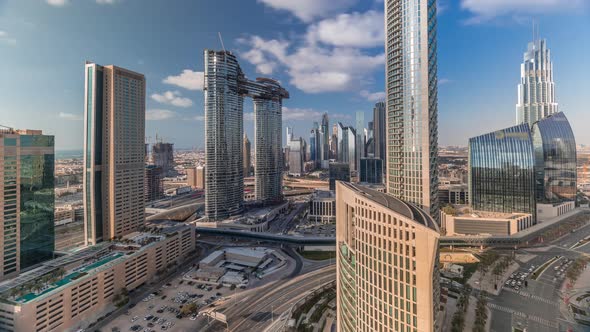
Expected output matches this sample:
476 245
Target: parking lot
310 228
161 310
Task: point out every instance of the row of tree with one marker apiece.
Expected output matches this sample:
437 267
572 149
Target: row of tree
458 322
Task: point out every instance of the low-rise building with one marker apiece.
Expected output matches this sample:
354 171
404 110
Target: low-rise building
467 222
322 207
73 291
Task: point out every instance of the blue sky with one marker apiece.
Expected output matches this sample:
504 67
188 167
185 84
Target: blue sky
327 53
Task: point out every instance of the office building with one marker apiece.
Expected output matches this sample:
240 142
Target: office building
501 174
380 132
82 287
154 188
387 276
195 177
371 171
360 139
163 157
27 199
453 194
313 145
468 222
346 145
555 159
224 91
554 146
536 90
338 172
247 156
411 103
114 152
325 137
322 207
296 157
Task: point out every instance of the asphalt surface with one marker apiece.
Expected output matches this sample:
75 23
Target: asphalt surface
256 309
537 306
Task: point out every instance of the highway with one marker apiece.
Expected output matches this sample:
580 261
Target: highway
255 309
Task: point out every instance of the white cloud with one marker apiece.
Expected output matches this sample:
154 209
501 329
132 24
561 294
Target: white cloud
69 116
350 30
159 114
188 79
172 98
443 81
300 114
313 68
307 10
373 96
57 3
5 38
199 118
487 10
106 2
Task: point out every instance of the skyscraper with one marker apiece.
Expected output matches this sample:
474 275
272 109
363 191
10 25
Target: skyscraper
296 159
380 132
163 157
154 188
224 90
360 138
27 196
325 137
114 152
536 90
338 172
387 276
412 136
371 170
247 155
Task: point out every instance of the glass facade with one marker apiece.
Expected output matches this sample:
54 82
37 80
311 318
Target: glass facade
371 170
501 171
411 104
555 159
37 234
338 172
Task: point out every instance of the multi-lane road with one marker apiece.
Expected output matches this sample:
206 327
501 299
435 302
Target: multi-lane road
538 306
256 309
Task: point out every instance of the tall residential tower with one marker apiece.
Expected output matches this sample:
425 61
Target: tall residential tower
114 152
412 125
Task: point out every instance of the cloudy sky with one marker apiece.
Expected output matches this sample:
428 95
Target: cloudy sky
327 53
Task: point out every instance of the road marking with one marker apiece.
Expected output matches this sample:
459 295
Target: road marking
533 318
531 296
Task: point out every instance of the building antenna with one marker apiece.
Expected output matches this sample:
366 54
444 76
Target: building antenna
221 40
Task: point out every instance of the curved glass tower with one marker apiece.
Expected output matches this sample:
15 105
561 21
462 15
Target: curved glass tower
555 159
501 171
536 91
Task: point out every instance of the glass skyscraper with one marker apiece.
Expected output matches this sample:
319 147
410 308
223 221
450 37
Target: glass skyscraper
501 171
411 88
555 159
224 92
371 170
536 90
27 195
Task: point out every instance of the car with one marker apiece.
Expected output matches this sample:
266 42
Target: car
516 288
150 324
507 283
519 283
193 317
163 297
164 327
160 311
178 316
134 319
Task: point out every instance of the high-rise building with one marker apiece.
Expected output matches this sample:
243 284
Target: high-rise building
338 172
195 177
325 137
501 174
387 276
163 157
347 145
313 144
247 155
412 136
296 157
268 98
380 132
289 132
554 145
371 170
27 195
154 188
536 90
360 138
114 152
224 90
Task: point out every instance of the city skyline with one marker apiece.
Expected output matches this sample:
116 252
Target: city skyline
180 106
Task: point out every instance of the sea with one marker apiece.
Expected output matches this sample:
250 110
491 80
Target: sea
69 154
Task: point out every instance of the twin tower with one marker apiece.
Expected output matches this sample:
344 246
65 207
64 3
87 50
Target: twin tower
224 91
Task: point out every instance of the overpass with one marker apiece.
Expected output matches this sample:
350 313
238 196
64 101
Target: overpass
290 239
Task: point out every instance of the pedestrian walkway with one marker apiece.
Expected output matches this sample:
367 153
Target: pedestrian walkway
531 296
537 319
